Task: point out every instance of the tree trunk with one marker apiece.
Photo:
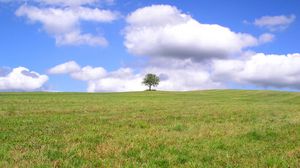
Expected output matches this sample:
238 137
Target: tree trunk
149 87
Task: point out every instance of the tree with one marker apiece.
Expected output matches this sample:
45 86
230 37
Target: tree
151 80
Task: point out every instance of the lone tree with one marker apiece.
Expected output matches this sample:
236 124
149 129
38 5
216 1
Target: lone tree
151 80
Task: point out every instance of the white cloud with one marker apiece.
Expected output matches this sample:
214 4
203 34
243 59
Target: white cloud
75 2
120 80
88 73
171 79
98 79
274 23
192 77
69 2
75 71
64 23
22 79
274 71
278 71
177 45
75 38
182 76
65 68
266 37
171 33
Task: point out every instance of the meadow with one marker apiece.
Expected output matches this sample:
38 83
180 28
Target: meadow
214 128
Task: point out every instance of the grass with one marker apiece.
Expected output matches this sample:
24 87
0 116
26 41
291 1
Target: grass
216 128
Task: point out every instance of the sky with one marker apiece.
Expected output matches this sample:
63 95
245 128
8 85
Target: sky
110 45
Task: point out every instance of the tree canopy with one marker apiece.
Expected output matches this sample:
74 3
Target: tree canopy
151 80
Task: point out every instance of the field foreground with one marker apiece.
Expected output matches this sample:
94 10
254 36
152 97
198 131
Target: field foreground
217 128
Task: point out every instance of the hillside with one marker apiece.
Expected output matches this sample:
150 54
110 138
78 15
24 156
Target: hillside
216 128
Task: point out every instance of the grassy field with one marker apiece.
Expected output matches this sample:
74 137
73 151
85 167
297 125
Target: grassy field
217 128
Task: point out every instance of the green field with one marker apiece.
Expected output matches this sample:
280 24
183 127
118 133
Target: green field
217 128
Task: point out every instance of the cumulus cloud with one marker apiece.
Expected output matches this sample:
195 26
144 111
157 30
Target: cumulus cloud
75 2
64 23
275 23
89 73
98 79
80 73
65 68
120 80
266 37
179 79
75 38
192 77
183 76
69 2
22 79
172 33
278 71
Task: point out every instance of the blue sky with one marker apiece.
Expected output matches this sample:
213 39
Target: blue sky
34 42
